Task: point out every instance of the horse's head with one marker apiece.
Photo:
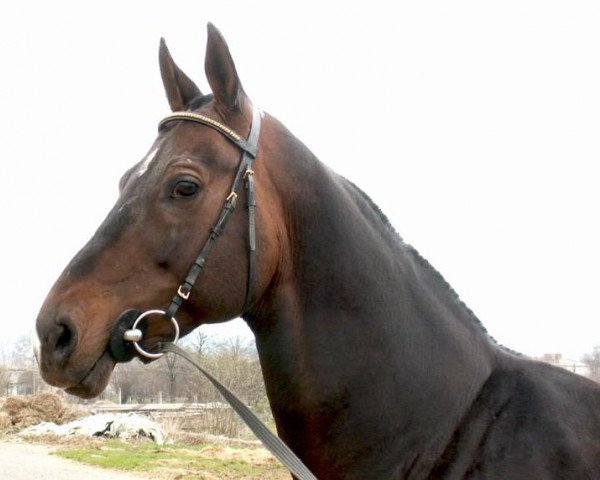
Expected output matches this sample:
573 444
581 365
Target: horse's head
140 254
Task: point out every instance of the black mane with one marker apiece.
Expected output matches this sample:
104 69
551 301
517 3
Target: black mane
423 262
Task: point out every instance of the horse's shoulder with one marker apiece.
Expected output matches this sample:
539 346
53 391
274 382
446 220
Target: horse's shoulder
528 417
538 416
551 388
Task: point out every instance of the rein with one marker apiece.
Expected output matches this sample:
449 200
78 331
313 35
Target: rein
126 328
271 441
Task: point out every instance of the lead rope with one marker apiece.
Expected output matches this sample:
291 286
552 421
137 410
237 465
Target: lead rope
272 442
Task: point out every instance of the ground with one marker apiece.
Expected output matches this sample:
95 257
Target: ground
25 461
142 460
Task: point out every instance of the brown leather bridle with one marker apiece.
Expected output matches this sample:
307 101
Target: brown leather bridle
126 327
244 172
125 331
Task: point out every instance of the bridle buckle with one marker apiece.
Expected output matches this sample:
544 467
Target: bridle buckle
232 195
182 294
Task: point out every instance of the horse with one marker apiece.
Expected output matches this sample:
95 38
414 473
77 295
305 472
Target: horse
374 367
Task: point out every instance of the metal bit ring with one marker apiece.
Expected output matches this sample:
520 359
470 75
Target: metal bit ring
147 313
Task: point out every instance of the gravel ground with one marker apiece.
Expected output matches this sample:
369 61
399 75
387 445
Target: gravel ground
24 461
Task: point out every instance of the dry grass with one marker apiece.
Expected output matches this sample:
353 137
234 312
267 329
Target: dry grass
5 422
207 427
24 411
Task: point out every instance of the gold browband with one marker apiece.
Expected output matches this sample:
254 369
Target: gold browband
196 117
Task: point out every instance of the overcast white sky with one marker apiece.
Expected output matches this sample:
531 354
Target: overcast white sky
474 125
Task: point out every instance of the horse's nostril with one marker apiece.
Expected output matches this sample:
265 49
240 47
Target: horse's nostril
65 340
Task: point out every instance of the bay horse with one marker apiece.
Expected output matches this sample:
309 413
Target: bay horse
373 366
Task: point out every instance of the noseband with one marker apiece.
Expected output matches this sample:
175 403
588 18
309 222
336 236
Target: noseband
249 147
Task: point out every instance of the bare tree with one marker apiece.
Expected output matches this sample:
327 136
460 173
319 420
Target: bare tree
136 382
171 369
22 353
4 380
235 363
3 359
199 343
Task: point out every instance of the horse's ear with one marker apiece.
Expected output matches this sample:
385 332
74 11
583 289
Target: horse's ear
178 86
220 70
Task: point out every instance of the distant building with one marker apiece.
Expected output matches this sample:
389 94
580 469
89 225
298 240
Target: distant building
559 360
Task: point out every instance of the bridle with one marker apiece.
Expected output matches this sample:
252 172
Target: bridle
244 173
124 329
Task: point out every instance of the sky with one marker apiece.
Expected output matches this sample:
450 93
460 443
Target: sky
473 125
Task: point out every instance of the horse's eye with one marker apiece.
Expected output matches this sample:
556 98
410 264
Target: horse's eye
185 189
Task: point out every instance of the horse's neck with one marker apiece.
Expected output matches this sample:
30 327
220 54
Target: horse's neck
359 336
